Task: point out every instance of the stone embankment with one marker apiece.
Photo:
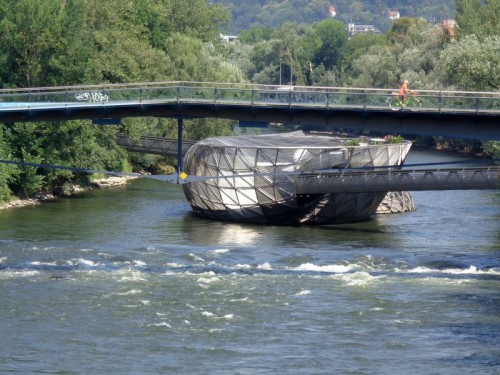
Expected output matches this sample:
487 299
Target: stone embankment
394 202
100 183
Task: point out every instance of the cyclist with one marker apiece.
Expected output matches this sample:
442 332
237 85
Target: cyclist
403 91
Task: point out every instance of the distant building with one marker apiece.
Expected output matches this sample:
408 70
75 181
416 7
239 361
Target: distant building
361 29
394 14
228 38
332 11
450 27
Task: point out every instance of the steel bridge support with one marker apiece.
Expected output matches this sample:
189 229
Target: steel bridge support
180 123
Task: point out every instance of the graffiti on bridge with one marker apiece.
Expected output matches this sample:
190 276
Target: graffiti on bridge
92 97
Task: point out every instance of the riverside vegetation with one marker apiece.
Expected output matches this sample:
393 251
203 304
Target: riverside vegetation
70 42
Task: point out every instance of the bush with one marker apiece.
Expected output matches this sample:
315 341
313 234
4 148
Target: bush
394 139
353 142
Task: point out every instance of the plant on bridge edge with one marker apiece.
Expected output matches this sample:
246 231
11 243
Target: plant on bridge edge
394 139
353 142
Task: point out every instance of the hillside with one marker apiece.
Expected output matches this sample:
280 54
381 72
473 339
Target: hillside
272 13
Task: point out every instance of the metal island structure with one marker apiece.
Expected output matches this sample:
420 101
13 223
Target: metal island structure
253 179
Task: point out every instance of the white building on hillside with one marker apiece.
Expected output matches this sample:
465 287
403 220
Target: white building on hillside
394 14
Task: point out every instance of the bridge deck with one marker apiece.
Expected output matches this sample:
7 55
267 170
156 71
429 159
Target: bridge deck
472 115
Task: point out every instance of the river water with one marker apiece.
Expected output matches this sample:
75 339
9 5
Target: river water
126 281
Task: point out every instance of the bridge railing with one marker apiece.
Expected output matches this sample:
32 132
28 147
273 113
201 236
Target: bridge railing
244 94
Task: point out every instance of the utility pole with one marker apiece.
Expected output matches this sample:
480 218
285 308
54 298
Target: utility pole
280 71
291 65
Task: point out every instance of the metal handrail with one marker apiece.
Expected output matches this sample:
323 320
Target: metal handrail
246 94
236 86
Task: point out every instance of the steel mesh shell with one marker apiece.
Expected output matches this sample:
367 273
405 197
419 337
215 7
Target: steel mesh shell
256 183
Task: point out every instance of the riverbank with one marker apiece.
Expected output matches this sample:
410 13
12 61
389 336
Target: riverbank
105 182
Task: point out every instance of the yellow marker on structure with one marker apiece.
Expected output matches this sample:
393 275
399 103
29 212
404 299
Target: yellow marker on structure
183 175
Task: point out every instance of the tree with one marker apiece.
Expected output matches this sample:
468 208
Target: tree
360 44
406 31
255 35
331 42
26 146
476 21
378 68
468 16
481 18
197 19
31 38
471 64
7 172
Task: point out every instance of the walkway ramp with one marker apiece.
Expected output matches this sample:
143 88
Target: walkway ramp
153 145
399 180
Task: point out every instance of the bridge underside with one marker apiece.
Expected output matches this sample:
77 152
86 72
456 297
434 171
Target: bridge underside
464 125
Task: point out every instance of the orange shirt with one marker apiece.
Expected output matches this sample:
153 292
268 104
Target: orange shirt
404 89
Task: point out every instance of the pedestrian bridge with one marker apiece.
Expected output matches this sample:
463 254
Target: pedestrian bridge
360 180
454 114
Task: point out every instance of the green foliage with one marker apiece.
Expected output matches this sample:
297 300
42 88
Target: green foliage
411 52
255 35
69 42
31 39
273 13
331 42
28 182
394 139
7 172
72 143
471 64
302 54
205 128
492 148
353 142
377 68
481 18
360 44
405 30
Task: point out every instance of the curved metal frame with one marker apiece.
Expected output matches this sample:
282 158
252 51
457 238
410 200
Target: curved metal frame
257 178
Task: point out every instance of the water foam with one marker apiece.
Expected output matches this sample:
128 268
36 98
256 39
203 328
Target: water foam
162 324
265 266
218 251
86 262
130 275
209 278
130 292
8 274
471 270
303 293
333 268
242 266
359 279
196 258
47 264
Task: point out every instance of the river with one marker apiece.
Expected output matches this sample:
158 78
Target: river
126 281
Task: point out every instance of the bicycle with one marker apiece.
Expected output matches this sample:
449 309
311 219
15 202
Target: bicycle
411 102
